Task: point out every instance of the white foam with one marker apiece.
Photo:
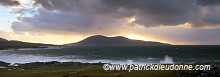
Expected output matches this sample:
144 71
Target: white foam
29 48
167 60
2 67
14 58
18 58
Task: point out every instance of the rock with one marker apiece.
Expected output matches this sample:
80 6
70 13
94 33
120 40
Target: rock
213 72
4 64
117 74
55 64
195 72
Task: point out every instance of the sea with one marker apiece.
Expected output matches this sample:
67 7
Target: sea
174 54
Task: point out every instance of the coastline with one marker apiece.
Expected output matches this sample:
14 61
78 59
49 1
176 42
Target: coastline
28 47
86 70
57 68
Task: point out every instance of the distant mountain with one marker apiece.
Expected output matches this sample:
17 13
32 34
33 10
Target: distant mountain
5 44
1 39
100 40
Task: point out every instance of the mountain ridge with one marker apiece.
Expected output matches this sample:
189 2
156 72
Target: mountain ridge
2 39
100 40
14 44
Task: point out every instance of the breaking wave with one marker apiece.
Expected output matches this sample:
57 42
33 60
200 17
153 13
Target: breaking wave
16 58
167 60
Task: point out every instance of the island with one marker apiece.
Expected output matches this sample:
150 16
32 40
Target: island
100 40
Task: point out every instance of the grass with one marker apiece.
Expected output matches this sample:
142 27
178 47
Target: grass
85 71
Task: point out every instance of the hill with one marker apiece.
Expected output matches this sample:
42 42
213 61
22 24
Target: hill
1 39
5 44
99 40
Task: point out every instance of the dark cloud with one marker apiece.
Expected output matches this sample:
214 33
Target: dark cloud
9 2
109 17
56 21
212 19
156 12
149 13
63 5
97 15
170 8
87 7
208 2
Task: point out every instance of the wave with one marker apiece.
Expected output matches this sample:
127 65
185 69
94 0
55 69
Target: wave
167 60
18 58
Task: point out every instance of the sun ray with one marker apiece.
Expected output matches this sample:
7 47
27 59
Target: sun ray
137 37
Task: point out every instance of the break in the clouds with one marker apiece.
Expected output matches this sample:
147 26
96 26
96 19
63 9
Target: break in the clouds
85 14
111 16
149 13
9 2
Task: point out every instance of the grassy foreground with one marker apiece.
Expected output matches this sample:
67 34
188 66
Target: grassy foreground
81 71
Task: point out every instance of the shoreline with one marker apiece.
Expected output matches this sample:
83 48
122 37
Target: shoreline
73 63
2 48
32 65
97 67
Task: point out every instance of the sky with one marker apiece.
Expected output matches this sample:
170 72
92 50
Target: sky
178 22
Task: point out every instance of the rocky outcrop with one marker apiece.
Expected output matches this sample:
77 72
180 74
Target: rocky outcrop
213 72
54 64
4 64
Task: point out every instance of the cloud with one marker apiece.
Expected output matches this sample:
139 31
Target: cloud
208 2
151 13
61 22
9 3
37 38
182 35
66 5
110 17
207 16
148 13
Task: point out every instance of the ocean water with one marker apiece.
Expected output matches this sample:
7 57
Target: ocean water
115 54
